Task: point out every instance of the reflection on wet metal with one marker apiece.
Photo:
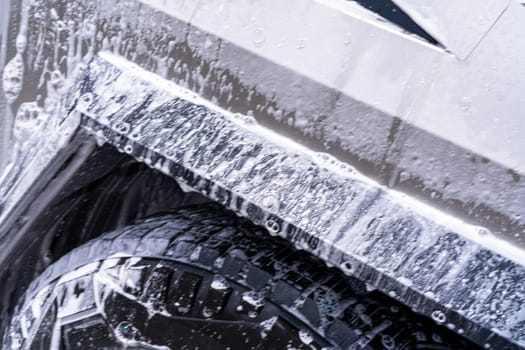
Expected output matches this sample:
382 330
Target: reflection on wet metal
458 25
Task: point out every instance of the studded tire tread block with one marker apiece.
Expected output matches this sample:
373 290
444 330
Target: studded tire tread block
202 278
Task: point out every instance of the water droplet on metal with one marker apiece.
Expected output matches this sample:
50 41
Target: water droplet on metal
258 37
438 316
301 44
272 226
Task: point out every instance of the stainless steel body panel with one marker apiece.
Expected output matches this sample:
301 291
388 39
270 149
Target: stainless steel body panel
439 123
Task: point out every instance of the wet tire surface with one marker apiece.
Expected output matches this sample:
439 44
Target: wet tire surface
202 278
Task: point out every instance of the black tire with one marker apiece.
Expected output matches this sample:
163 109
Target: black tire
202 278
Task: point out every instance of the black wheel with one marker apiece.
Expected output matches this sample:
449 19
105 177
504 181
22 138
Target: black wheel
202 278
